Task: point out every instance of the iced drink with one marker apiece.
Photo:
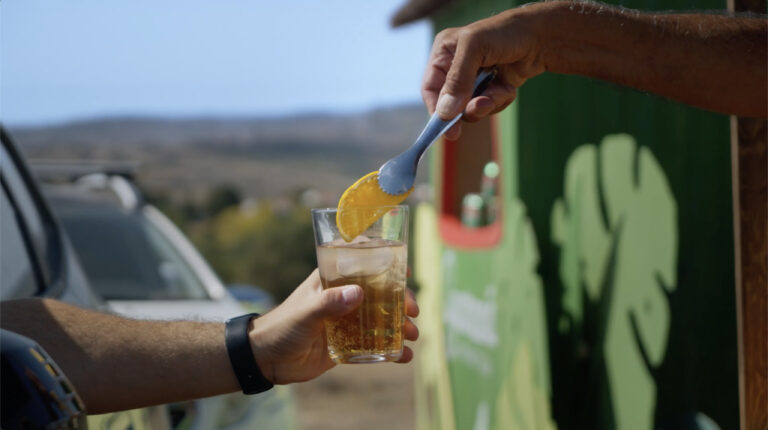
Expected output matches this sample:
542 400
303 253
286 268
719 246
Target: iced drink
376 261
374 332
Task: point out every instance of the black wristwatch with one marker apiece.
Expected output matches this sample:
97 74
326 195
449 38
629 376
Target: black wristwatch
247 371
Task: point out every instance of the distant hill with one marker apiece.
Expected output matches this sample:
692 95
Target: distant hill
388 127
263 157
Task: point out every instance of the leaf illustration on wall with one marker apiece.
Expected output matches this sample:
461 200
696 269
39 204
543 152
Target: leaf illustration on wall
617 229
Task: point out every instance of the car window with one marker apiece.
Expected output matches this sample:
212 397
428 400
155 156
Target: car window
126 258
176 269
16 271
23 200
34 222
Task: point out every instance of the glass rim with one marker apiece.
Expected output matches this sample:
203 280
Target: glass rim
329 210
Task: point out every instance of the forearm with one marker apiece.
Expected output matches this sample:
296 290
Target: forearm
118 363
710 61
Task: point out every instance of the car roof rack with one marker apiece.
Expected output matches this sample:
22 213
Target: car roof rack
69 170
93 175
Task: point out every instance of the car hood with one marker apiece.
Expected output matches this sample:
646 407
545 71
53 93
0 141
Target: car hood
212 310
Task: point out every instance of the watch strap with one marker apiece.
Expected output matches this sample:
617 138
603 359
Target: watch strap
247 371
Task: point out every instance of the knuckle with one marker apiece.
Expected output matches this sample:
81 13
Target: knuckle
444 37
329 299
452 82
464 32
468 37
333 295
445 33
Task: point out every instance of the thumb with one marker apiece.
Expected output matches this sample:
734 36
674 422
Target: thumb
338 301
459 81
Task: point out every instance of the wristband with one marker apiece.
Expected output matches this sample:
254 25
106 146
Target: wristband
247 371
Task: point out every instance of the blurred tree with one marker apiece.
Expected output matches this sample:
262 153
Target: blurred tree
190 211
221 197
261 246
272 251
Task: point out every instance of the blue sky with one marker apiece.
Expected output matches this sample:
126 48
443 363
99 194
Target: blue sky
67 60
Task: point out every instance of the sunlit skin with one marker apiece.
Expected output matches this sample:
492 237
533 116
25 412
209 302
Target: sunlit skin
295 347
118 363
711 61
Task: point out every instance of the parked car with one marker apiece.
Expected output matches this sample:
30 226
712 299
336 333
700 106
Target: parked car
38 260
144 267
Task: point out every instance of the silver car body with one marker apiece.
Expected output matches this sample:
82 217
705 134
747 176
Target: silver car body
274 409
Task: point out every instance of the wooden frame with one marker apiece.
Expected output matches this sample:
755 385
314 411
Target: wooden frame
750 203
749 157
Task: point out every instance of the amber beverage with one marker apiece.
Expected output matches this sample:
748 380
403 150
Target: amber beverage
374 331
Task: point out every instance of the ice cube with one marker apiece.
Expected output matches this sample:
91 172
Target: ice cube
363 261
360 239
379 281
341 242
335 242
326 262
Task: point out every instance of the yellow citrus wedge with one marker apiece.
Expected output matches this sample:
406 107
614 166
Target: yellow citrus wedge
361 205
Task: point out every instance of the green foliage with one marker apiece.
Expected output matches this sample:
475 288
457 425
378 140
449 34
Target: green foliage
221 197
270 249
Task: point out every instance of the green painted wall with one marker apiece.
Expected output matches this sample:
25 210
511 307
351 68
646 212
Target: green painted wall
611 294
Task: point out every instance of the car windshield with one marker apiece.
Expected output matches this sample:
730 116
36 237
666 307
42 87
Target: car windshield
125 256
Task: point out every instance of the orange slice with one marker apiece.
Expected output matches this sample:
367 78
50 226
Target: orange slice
361 205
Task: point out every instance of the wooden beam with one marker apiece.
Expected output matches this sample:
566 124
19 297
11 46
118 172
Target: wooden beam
749 157
750 197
